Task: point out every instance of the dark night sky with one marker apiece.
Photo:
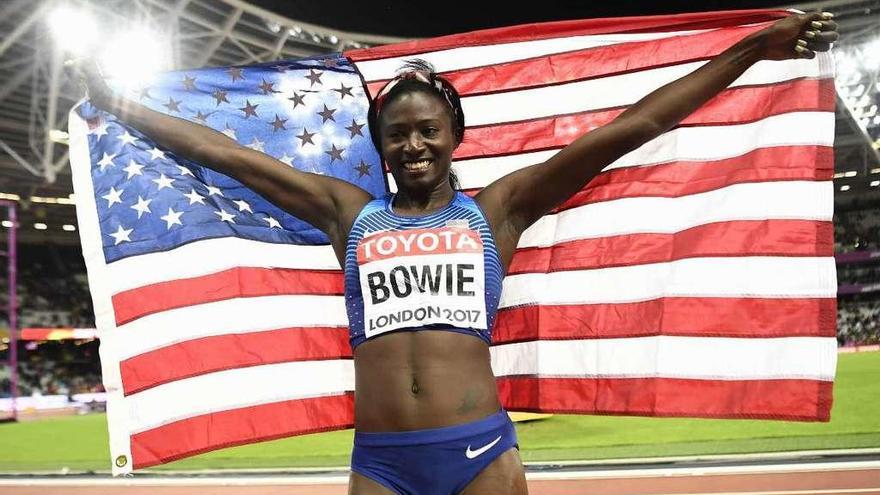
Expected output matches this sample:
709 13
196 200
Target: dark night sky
437 17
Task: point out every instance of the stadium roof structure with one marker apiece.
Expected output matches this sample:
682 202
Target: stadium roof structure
36 94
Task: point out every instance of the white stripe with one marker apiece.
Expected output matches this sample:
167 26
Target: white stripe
236 388
791 200
232 316
708 358
615 91
478 56
189 261
757 276
699 143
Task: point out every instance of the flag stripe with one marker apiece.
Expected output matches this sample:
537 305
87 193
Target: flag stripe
738 238
557 131
222 352
614 91
189 261
716 358
556 60
693 177
240 426
232 316
718 316
704 143
234 282
794 200
618 29
237 388
802 400
759 276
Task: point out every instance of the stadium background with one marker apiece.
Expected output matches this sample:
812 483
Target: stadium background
57 377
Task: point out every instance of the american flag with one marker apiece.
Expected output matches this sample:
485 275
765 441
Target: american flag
693 277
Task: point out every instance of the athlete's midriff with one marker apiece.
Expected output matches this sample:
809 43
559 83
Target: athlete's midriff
413 380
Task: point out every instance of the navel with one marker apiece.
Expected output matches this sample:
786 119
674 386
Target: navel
415 387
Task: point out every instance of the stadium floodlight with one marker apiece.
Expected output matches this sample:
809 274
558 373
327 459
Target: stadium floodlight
875 183
74 30
6 223
71 228
40 226
134 56
844 188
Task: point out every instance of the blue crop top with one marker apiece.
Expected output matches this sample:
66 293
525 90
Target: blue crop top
439 271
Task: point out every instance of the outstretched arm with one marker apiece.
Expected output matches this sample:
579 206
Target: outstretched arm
517 200
327 203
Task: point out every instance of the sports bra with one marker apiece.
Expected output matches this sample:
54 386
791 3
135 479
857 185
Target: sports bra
439 271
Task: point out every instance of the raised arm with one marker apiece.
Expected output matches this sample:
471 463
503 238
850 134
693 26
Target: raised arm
327 203
517 200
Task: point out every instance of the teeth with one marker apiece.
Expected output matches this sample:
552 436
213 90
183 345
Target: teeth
422 165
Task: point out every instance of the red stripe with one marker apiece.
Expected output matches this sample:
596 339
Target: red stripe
223 429
236 282
221 352
726 108
681 316
529 32
601 61
801 400
677 179
734 238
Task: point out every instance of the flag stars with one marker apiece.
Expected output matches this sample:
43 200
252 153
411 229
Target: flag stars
230 132
100 130
256 144
212 191
297 99
267 87
249 110
126 138
286 159
220 96
278 125
355 129
314 77
243 206
306 137
106 161
133 169
172 105
121 235
362 169
172 218
195 197
335 153
156 153
142 206
272 222
189 83
235 73
145 93
113 196
344 91
225 216
327 114
163 182
185 171
202 118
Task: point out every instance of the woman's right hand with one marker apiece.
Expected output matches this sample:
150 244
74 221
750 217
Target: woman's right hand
89 73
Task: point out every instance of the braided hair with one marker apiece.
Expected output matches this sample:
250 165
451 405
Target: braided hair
417 75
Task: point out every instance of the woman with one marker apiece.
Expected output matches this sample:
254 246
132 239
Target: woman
423 267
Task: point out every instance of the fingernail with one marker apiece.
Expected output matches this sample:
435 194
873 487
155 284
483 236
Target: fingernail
799 49
827 15
816 24
810 34
802 43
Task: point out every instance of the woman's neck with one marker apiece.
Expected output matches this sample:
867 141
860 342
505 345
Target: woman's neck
411 202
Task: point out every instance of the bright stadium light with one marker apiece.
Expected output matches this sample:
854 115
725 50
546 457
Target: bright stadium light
72 228
135 56
41 226
6 223
844 188
74 30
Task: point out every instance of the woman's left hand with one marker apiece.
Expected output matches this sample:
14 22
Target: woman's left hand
798 36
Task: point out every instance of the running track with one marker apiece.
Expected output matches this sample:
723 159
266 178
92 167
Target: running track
825 478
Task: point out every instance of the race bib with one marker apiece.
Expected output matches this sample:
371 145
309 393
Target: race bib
419 277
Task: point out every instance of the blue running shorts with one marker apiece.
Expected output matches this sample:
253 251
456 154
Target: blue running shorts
437 461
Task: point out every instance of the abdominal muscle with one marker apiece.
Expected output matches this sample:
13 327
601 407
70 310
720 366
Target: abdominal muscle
414 380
